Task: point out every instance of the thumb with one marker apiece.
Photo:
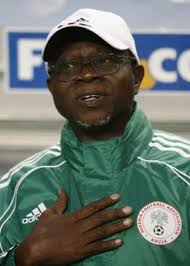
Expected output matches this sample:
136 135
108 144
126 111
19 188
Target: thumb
60 205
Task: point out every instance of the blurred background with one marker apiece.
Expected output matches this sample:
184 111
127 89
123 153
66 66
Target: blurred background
28 119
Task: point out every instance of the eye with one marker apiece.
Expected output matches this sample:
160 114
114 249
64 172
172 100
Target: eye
66 66
106 60
103 60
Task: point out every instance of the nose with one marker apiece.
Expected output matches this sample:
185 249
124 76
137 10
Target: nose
87 73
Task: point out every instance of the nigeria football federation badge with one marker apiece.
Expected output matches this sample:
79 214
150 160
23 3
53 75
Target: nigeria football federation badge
159 223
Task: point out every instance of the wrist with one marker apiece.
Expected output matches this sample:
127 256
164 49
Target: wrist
25 255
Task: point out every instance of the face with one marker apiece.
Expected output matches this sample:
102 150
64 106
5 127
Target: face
92 100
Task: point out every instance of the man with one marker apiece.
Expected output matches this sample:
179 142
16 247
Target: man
107 148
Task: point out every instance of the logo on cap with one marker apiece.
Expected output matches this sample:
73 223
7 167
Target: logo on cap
159 223
80 21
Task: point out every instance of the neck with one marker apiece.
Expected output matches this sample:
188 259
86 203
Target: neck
114 128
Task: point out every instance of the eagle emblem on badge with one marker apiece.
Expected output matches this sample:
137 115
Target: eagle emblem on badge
159 223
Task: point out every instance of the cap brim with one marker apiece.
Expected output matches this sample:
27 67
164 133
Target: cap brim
56 38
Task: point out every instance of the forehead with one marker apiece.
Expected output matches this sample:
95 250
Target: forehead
83 49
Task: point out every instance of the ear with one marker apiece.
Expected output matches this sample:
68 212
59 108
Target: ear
50 84
138 74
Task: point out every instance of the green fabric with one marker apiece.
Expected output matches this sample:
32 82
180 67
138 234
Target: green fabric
9 259
141 165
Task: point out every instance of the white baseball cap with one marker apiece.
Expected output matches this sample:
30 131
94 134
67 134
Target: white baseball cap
110 27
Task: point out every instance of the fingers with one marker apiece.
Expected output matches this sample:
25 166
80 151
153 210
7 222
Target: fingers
102 246
108 230
95 207
59 206
105 216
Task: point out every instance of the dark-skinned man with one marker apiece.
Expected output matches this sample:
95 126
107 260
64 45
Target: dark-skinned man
113 184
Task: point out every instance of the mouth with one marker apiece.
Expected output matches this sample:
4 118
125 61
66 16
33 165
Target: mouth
91 100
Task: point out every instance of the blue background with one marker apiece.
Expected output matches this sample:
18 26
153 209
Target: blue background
146 44
39 81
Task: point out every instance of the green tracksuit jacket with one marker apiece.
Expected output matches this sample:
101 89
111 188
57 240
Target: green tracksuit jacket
151 171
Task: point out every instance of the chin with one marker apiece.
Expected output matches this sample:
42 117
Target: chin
94 124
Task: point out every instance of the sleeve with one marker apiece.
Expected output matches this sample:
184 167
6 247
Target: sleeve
7 238
8 259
